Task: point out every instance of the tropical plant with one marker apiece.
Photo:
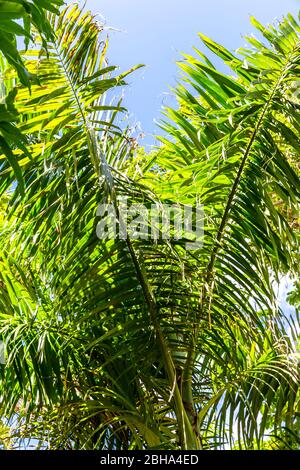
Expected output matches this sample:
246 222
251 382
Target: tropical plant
139 343
17 19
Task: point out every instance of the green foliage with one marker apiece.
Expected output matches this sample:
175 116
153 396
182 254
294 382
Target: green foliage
6 441
131 344
17 19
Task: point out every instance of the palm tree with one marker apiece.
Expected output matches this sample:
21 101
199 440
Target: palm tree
17 19
132 343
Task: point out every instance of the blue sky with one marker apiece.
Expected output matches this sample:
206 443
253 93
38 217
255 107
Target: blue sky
155 32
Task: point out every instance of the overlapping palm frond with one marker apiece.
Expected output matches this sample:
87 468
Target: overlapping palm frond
231 139
17 19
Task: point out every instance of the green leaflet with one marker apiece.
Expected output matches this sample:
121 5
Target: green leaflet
140 343
13 162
